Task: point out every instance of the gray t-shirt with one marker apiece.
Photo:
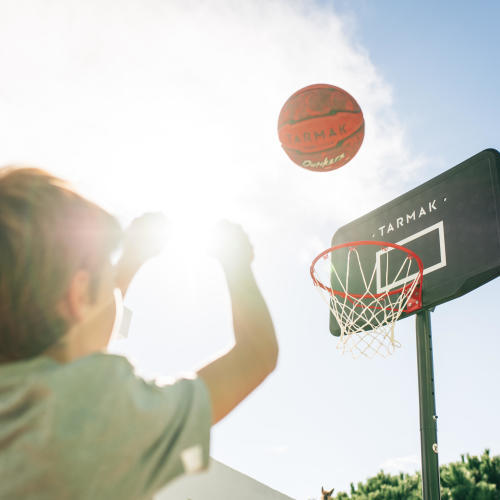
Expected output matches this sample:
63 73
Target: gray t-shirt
93 429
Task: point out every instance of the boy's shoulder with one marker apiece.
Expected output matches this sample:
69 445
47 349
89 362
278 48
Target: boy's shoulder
45 368
93 366
89 378
92 375
99 363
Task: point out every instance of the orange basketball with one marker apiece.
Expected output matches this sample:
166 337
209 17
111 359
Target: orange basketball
321 127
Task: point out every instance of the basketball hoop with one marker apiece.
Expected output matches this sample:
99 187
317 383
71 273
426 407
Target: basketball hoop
366 303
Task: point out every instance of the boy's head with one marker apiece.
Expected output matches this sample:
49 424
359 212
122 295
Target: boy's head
55 249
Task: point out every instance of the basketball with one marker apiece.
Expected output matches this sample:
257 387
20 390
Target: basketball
321 127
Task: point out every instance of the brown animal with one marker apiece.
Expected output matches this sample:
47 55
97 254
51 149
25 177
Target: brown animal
326 495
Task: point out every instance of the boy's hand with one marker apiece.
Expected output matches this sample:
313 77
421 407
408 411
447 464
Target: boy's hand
230 245
144 238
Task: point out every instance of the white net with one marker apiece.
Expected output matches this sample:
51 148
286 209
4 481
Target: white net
366 303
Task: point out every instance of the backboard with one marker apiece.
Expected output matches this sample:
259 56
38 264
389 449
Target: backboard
452 222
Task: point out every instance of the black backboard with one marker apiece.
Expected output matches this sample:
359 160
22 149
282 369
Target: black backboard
451 221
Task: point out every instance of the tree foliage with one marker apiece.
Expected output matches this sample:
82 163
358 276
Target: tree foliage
472 478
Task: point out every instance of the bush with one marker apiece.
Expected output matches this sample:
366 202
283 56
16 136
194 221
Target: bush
473 478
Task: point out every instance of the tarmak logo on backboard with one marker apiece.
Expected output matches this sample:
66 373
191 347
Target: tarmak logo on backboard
408 218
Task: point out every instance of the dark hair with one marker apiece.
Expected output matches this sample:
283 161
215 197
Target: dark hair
47 232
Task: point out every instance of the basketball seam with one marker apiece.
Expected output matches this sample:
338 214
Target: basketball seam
323 86
331 113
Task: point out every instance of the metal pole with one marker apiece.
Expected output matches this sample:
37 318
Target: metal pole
428 417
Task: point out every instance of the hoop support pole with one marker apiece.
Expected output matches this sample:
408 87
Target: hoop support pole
427 403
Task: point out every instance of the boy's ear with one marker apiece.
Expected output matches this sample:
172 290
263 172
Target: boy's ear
74 304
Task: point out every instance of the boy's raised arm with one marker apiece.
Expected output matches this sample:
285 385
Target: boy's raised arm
235 374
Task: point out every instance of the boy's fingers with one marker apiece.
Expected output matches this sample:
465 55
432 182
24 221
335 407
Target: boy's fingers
146 235
230 244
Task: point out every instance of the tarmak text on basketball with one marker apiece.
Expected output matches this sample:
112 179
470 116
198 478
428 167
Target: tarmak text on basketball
316 136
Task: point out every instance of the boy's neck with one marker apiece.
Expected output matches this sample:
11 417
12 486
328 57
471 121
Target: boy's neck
72 346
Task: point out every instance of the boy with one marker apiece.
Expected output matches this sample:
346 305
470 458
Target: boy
75 422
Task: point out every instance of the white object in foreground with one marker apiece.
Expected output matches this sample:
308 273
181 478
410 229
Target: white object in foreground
219 482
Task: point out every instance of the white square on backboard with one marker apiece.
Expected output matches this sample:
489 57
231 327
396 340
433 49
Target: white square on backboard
439 227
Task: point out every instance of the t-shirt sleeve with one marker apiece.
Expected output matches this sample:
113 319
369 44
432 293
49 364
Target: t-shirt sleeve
155 431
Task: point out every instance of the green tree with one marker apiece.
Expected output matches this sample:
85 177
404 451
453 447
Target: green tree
473 478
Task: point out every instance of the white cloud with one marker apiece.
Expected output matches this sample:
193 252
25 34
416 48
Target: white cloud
174 105
409 464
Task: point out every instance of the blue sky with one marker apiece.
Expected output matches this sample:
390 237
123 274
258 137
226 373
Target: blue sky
441 60
173 106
